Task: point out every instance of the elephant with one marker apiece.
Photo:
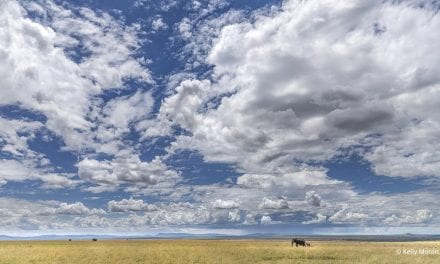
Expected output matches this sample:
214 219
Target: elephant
297 242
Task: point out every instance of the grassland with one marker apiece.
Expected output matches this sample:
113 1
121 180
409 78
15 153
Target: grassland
212 251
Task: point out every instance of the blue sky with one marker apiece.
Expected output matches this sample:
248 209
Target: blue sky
235 117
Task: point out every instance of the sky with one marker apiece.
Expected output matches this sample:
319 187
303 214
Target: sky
218 116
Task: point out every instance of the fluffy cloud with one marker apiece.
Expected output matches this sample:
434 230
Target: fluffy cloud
43 71
15 171
421 216
20 163
347 216
109 174
286 180
20 171
54 64
158 24
377 209
310 80
266 220
234 216
42 215
180 215
131 204
273 204
313 198
117 118
77 208
121 111
225 204
361 210
58 181
15 143
318 220
289 89
201 29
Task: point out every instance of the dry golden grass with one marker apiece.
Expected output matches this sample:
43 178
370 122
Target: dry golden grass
211 251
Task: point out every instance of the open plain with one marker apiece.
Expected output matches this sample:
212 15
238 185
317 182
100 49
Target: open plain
216 251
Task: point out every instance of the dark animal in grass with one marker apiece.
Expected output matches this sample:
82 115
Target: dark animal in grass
308 244
70 239
297 242
95 239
